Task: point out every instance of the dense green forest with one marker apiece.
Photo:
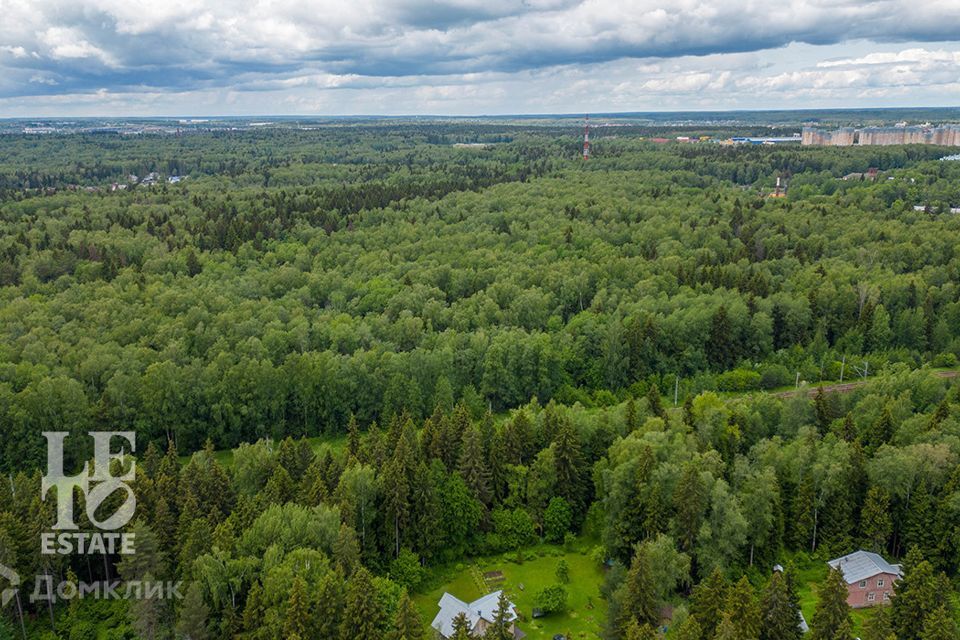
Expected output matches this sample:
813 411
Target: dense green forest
490 344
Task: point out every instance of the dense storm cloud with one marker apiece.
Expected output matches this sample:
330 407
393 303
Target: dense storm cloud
408 56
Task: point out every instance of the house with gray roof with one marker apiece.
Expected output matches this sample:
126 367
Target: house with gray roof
869 578
479 614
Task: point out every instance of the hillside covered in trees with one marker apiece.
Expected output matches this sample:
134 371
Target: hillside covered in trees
426 343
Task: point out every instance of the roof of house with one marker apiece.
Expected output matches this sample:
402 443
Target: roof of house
451 607
861 565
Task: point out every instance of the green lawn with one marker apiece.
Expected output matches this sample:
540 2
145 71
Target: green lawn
586 610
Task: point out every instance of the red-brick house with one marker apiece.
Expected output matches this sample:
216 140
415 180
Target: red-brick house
869 578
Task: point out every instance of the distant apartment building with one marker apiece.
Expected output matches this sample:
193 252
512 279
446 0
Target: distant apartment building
945 135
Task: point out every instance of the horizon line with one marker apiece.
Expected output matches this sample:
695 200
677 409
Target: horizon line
570 114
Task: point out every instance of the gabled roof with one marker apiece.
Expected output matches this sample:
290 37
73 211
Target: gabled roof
861 565
451 607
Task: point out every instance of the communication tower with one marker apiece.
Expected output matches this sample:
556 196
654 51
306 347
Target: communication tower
586 137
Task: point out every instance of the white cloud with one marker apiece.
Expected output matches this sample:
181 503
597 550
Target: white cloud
473 55
66 43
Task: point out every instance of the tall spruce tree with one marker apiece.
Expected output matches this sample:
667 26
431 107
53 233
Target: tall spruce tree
637 631
689 629
194 615
329 605
569 463
831 618
362 613
878 626
690 501
939 625
743 610
500 626
461 628
353 438
719 348
637 595
726 630
708 600
915 596
655 402
779 618
407 624
876 523
296 617
473 466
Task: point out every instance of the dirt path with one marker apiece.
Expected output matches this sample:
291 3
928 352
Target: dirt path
846 387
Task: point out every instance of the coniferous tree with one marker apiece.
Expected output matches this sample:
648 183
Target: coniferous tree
849 430
743 610
831 619
656 403
779 618
150 617
882 430
353 437
719 347
876 522
569 465
296 618
726 630
689 629
473 466
396 488
407 624
631 415
939 625
804 514
637 597
688 413
346 550
918 531
689 499
500 626
194 615
362 614
637 631
915 596
329 605
821 410
253 609
708 600
878 626
461 628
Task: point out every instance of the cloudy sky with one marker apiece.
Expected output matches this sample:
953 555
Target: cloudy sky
460 57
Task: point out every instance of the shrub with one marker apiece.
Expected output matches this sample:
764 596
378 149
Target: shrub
406 570
774 375
551 599
739 380
563 572
945 360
